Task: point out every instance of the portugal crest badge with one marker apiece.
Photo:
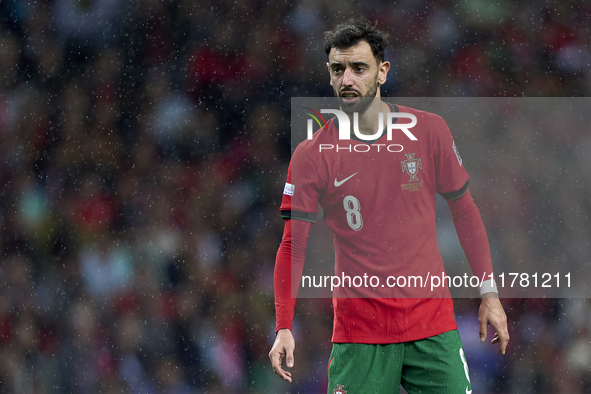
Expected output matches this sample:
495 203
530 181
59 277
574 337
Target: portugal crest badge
339 390
411 166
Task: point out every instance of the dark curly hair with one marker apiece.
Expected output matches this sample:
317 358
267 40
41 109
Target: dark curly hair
349 33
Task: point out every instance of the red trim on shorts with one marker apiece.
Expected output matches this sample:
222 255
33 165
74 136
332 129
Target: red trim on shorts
327 368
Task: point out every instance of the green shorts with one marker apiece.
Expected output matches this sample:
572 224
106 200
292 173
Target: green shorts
432 365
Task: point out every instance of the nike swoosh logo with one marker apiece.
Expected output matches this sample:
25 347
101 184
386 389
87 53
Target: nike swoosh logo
339 183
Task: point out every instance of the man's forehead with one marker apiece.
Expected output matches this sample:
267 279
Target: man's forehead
360 52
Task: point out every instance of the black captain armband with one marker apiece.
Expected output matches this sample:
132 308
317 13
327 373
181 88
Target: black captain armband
456 194
306 216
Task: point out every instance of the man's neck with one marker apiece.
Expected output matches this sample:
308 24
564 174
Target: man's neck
369 121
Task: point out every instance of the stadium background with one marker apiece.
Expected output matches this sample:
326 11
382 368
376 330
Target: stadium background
143 155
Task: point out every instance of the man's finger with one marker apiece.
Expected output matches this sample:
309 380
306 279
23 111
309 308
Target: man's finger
283 374
483 324
502 334
504 339
276 358
289 357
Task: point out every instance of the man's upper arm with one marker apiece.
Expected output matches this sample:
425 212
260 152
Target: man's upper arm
452 177
303 187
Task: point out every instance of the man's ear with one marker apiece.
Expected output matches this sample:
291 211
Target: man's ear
328 68
383 69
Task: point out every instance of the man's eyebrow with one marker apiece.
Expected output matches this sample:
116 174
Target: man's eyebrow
354 64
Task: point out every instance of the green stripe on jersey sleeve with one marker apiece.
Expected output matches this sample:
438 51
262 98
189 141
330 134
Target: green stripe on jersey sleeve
456 194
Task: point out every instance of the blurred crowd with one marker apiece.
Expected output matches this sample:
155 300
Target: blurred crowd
143 152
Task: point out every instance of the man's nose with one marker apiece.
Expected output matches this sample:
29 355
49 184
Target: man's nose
347 77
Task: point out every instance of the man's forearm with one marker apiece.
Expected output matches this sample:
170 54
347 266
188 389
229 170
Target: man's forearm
289 265
473 238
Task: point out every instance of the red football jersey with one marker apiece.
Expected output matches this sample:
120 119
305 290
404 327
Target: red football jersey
379 201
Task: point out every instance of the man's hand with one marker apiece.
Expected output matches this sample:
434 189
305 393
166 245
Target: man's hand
283 347
491 313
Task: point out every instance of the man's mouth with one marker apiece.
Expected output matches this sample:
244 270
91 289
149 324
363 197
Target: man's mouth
349 96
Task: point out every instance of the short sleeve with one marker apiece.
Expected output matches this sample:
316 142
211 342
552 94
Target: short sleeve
302 189
452 177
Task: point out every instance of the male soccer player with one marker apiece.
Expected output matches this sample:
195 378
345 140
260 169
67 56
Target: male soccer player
380 205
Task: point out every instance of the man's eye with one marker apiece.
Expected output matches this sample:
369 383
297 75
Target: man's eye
336 70
360 69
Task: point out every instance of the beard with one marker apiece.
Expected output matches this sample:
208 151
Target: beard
359 106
